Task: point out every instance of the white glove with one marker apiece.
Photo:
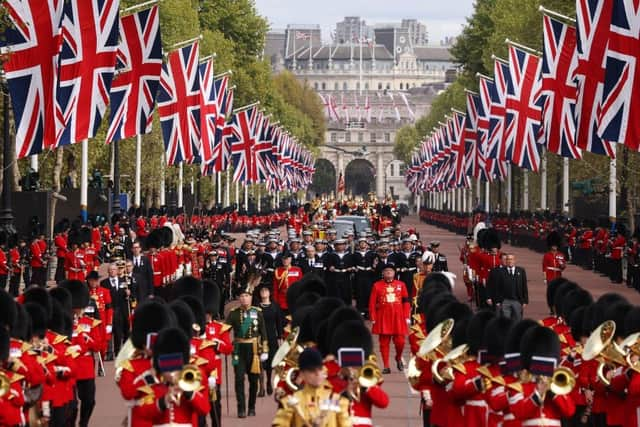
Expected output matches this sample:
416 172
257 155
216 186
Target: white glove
264 357
408 321
212 382
109 329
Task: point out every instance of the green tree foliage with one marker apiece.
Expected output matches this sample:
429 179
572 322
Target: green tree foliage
407 139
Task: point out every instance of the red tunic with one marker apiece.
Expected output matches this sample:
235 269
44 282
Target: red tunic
11 403
74 265
617 247
37 255
464 389
360 410
86 339
283 278
131 377
181 414
552 265
389 308
61 245
219 333
4 266
528 407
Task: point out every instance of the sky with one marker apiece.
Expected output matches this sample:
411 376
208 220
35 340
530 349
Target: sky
442 17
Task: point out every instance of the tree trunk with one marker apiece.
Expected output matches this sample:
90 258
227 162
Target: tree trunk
57 171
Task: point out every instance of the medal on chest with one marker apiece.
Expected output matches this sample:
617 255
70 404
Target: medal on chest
390 296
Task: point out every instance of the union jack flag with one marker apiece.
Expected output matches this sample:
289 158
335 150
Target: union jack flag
497 147
620 114
262 152
458 146
87 64
244 128
32 73
522 130
222 147
134 88
493 168
593 18
212 116
474 156
559 90
179 105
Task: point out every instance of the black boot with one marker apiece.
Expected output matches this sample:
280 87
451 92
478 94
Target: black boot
261 387
241 413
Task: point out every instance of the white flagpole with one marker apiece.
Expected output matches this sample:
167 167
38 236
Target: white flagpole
227 190
33 162
180 184
543 181
525 193
162 180
136 198
565 185
418 203
487 195
219 187
478 191
613 187
238 195
84 180
464 199
258 201
246 197
509 189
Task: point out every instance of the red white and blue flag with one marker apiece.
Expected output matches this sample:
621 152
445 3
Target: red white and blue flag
474 155
619 118
559 90
32 71
135 86
497 146
244 130
493 168
179 105
87 63
593 20
458 147
522 132
265 166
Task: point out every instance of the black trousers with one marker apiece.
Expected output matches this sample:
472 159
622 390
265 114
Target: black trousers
633 277
3 281
86 393
14 284
242 368
363 291
38 276
59 276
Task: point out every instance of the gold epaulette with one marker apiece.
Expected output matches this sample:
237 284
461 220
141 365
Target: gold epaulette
199 361
224 327
126 365
95 323
417 318
25 347
206 344
562 338
146 389
59 339
16 378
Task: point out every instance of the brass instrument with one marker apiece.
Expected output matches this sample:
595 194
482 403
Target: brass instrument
600 345
452 360
438 337
5 384
190 378
290 379
563 381
489 379
370 375
631 346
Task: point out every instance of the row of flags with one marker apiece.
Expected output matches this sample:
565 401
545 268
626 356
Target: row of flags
69 60
577 95
354 108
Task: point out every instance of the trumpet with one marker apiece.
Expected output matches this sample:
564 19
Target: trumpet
5 384
291 378
438 338
563 381
190 378
370 375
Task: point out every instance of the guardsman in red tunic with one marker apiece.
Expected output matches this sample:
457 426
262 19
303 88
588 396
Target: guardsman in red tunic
618 245
283 278
74 264
12 400
16 271
165 403
135 375
141 228
91 261
37 262
390 313
553 262
60 242
102 297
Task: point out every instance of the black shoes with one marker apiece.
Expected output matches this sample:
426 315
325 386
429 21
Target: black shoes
386 371
241 413
269 389
400 365
252 412
260 393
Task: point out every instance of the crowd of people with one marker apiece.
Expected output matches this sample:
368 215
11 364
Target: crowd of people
294 314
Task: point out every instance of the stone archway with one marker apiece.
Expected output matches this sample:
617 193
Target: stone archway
359 177
324 178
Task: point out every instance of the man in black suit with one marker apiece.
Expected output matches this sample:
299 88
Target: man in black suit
510 293
142 273
120 303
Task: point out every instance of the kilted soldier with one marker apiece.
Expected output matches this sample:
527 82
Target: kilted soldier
362 262
389 311
249 346
338 272
405 263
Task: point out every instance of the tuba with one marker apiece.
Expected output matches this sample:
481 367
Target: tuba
600 346
438 337
442 369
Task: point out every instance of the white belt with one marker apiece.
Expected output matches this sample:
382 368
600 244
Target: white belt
553 268
509 417
542 422
480 403
175 425
362 421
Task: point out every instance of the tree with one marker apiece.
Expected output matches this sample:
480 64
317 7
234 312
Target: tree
406 141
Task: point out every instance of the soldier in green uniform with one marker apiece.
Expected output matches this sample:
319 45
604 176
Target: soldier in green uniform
250 347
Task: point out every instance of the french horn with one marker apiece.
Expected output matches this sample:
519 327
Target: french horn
600 345
435 339
443 369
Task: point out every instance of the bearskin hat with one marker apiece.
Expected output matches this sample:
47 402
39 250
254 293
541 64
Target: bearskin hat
512 344
56 322
166 234
323 310
150 317
341 315
74 238
453 309
154 239
307 298
459 332
63 296
495 334
211 298
537 343
491 239
8 310
40 296
61 226
184 316
22 327
572 300
554 239
323 337
632 321
85 235
576 323
618 312
79 293
300 318
310 282
603 303
198 310
5 342
170 341
475 330
38 317
439 278
352 333
552 287
590 321
188 285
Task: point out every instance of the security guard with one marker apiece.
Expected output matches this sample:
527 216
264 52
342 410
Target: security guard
316 404
250 346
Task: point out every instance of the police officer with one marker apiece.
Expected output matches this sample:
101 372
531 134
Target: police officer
250 346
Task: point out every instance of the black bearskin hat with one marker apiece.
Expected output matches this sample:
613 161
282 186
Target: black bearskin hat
211 298
562 290
618 312
149 317
554 239
170 341
352 333
61 226
552 287
198 310
153 240
491 239
459 332
538 344
632 321
602 305
8 310
341 315
63 296
437 278
576 323
572 300
308 283
188 285
38 317
79 293
184 316
495 335
299 318
323 310
57 323
22 328
5 341
512 344
307 298
453 309
40 296
475 330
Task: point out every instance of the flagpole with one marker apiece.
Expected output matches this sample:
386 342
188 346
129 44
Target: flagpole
487 195
227 190
523 47
163 163
246 107
246 198
460 197
180 183
218 187
565 185
478 190
258 201
525 179
509 188
543 181
139 6
33 162
182 44
613 186
136 201
84 180
557 15
238 195
226 73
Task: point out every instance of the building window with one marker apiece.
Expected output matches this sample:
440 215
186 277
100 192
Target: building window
387 137
360 137
366 86
324 86
407 86
347 137
315 85
358 86
373 136
336 86
344 86
400 86
334 137
379 86
388 86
